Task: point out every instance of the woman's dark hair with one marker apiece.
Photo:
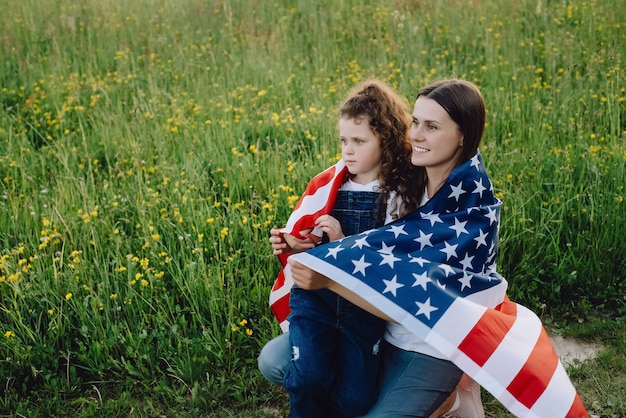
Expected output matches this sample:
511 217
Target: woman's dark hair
465 105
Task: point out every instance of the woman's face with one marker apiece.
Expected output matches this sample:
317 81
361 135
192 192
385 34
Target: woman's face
435 138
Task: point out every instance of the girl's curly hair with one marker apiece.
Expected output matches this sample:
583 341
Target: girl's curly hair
389 118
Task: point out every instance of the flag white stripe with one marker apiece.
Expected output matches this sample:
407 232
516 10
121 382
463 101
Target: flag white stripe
313 203
548 406
523 337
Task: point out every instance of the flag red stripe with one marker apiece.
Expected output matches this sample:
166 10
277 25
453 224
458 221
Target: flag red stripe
280 281
578 409
316 182
483 340
534 377
318 199
280 308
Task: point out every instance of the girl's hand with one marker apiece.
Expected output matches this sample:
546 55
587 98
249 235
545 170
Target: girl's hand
306 278
288 244
330 226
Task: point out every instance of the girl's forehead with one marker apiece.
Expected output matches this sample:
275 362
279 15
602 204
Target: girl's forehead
355 127
356 119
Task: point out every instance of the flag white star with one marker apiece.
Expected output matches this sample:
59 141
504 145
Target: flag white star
424 240
459 227
397 230
432 217
450 250
457 191
360 265
421 280
467 262
492 215
479 187
388 259
419 260
333 251
446 269
392 285
361 242
385 249
475 162
466 281
480 239
425 308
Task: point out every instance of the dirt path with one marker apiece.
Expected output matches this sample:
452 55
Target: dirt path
570 349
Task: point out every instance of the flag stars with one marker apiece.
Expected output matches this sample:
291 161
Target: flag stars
492 215
457 191
361 242
334 251
425 308
432 217
388 259
479 187
385 249
392 285
475 162
458 227
466 281
447 269
424 240
360 265
450 250
481 239
467 262
421 280
418 260
397 230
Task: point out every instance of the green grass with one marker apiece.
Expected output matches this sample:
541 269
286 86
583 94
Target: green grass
147 147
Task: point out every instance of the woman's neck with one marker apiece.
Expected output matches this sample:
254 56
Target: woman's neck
436 178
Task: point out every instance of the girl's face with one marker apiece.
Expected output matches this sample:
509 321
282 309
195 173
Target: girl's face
360 149
435 137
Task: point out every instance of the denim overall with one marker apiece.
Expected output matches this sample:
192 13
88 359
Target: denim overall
335 344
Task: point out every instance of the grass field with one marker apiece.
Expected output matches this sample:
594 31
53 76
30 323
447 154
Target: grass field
148 146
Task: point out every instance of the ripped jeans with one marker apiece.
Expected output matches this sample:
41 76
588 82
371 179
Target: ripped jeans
335 357
335 344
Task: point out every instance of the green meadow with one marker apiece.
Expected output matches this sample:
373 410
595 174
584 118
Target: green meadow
148 146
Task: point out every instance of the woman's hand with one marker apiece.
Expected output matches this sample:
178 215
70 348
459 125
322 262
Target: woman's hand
306 278
288 244
330 226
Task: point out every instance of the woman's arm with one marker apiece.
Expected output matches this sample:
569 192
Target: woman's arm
308 279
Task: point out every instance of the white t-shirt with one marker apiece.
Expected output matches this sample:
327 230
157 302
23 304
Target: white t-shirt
352 186
399 335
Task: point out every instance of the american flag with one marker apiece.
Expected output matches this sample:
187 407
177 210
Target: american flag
318 199
434 271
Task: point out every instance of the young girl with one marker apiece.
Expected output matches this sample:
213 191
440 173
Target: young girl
335 345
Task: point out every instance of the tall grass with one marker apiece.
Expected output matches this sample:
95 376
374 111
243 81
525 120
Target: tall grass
147 147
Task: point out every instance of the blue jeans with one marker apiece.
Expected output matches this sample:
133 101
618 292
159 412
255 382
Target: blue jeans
335 344
411 385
